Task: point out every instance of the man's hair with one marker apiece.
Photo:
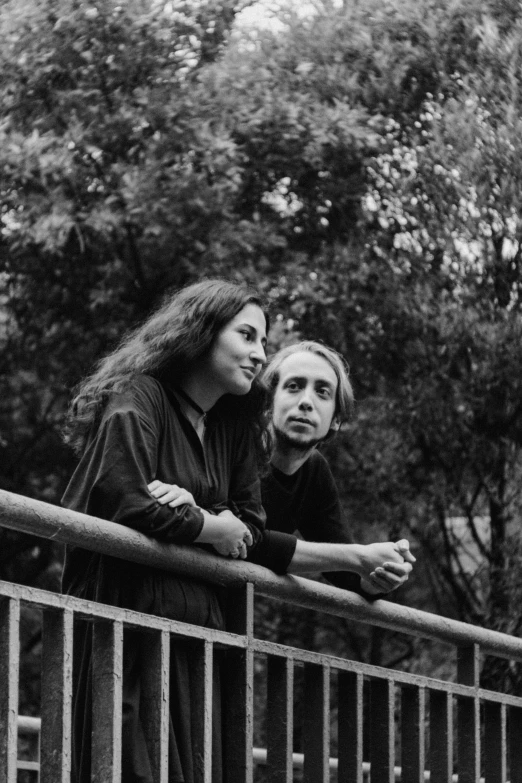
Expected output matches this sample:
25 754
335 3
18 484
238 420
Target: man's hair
344 398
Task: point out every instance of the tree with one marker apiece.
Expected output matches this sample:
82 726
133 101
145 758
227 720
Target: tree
427 304
361 167
114 188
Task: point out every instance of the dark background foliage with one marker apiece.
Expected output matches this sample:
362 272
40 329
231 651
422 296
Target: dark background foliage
359 164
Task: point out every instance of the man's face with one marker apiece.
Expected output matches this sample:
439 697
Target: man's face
304 400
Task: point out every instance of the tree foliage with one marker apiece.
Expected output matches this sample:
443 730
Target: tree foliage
360 165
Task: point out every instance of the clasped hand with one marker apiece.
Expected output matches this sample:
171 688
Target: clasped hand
230 539
386 566
235 537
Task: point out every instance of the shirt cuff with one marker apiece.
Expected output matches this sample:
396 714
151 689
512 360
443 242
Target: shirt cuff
274 550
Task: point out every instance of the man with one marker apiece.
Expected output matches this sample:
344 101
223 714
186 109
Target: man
311 397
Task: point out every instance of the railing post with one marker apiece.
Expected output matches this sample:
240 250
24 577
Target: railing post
9 668
441 737
239 689
413 727
495 766
55 739
240 610
280 719
515 744
316 728
154 704
203 678
350 726
468 715
382 730
107 667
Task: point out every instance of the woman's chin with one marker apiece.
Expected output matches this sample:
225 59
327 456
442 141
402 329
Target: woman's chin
240 389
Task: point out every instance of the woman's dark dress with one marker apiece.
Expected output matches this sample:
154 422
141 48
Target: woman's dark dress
144 436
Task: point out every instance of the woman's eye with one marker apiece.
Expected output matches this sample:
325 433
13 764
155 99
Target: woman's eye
324 392
246 335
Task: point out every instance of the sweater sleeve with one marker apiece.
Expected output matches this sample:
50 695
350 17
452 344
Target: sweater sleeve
326 522
111 480
270 549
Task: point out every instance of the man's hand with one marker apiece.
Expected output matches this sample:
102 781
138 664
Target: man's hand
373 556
391 574
170 493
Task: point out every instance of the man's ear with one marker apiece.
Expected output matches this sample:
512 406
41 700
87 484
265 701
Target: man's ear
335 425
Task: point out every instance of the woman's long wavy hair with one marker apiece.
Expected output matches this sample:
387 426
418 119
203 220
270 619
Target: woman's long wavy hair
180 332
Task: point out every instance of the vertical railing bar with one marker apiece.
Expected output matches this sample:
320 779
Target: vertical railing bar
515 744
107 701
38 751
316 724
504 745
9 671
57 655
412 733
350 727
468 715
468 739
202 736
382 730
280 719
238 714
468 665
441 737
240 610
238 717
154 705
495 738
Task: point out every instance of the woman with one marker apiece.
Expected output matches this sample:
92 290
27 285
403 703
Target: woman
178 400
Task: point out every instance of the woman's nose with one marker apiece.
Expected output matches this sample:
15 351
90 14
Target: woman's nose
258 354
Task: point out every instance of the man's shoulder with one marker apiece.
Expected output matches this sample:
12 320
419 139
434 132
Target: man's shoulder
316 464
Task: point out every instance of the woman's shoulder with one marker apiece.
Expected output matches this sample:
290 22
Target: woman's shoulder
144 395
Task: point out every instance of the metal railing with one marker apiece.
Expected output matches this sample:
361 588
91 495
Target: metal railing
442 727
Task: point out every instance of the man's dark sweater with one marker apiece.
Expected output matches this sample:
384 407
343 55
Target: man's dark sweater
308 502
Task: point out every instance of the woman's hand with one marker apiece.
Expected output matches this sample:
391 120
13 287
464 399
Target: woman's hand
170 493
234 536
228 535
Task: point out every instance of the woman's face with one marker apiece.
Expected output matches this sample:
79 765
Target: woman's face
238 353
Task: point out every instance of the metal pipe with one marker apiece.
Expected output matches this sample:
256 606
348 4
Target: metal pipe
70 527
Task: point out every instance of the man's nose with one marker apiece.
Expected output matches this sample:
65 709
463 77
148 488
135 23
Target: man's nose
305 400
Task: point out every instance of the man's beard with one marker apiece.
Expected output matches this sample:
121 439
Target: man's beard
287 443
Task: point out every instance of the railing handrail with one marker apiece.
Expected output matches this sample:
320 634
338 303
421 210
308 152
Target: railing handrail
69 527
